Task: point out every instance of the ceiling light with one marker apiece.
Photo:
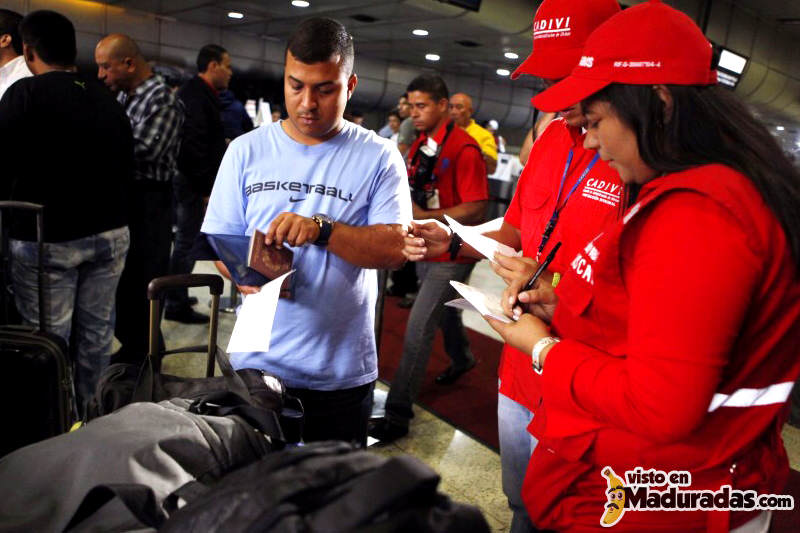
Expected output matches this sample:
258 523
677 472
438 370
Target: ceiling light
432 57
503 72
235 15
300 3
780 128
511 55
420 32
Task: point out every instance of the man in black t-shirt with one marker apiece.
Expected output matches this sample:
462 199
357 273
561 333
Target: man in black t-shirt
202 147
69 147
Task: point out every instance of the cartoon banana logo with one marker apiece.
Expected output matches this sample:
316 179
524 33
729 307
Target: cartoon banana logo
615 507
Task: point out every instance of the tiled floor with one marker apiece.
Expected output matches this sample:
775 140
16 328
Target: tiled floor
470 471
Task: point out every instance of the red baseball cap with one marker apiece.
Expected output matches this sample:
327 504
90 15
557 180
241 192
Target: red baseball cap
560 29
648 43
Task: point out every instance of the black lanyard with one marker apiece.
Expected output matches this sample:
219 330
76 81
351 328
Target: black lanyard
551 224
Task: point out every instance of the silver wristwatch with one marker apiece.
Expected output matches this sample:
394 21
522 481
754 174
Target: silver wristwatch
536 353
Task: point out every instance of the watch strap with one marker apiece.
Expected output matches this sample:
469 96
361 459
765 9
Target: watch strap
325 224
455 245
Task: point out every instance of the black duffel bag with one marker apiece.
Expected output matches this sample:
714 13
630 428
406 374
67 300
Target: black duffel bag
319 488
125 383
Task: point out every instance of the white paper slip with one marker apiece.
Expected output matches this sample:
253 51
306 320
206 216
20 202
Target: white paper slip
253 329
485 245
492 225
460 303
485 304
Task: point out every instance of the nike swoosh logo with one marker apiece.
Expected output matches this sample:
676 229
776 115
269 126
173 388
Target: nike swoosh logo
293 199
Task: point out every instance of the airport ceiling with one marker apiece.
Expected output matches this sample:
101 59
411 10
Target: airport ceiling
382 29
474 44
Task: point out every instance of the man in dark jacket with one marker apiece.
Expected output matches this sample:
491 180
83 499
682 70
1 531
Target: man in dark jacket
235 120
202 147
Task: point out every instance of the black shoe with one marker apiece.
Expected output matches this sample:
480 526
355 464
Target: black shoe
192 300
386 431
187 315
452 374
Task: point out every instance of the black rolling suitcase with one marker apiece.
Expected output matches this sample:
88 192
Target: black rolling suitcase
36 384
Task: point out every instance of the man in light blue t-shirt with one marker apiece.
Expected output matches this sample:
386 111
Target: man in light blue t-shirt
337 195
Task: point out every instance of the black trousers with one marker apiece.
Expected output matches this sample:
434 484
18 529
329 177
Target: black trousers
336 415
148 257
189 212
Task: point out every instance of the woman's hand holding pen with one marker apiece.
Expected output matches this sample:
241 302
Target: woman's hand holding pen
426 239
539 301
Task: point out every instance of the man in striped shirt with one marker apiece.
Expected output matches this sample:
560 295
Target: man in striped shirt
156 116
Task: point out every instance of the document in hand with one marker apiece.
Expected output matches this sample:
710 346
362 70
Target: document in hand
253 329
250 261
485 304
483 244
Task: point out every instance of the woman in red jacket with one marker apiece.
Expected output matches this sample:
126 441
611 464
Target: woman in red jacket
673 347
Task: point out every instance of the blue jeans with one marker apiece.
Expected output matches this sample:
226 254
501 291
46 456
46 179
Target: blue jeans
516 447
427 314
81 279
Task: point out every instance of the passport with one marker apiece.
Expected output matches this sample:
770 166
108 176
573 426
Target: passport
250 261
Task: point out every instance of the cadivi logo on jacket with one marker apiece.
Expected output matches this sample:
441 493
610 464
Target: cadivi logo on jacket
555 27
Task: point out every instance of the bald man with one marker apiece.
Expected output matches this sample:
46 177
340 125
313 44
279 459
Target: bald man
156 116
461 113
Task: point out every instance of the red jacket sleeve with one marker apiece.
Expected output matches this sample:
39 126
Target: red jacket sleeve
689 274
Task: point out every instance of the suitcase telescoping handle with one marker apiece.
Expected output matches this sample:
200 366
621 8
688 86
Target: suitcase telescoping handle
39 212
156 290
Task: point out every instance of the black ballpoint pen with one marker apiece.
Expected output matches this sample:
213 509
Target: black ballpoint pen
542 267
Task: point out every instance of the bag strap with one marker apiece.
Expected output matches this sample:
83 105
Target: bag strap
139 499
144 390
399 479
227 403
188 492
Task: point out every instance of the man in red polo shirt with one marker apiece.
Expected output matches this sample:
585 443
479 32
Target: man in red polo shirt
565 194
447 175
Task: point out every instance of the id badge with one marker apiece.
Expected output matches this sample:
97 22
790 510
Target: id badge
433 201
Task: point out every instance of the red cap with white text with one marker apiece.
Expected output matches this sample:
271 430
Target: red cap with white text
560 29
647 43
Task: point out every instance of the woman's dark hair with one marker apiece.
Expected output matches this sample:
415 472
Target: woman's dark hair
708 125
